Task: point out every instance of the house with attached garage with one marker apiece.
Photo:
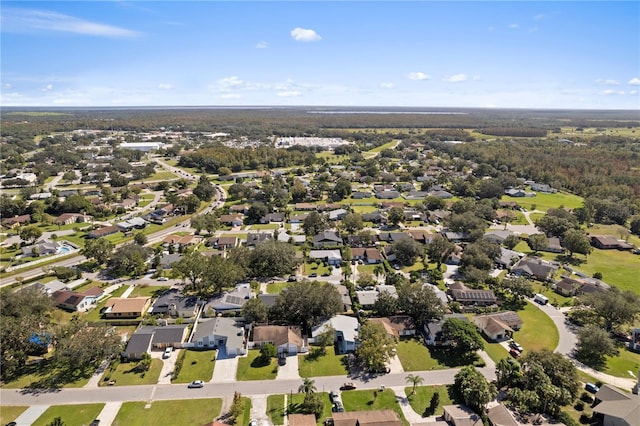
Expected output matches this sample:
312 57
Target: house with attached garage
471 297
535 267
432 330
346 329
499 325
367 255
172 302
122 307
332 257
233 300
287 339
613 407
149 338
326 239
397 326
224 334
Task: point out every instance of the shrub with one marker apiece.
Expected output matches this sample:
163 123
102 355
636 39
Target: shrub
586 398
585 418
579 406
178 366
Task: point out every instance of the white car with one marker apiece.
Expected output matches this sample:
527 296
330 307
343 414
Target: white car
196 384
253 422
167 352
163 279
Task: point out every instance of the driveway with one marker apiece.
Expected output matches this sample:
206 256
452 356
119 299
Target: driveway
168 365
259 410
395 365
289 370
225 368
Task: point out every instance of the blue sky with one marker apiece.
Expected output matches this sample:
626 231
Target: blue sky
417 53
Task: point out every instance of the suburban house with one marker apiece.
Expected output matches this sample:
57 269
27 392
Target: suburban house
344 295
397 326
386 417
122 307
173 302
104 231
326 239
554 246
232 219
291 238
567 286
148 338
607 242
257 237
168 259
41 248
508 258
71 218
535 267
71 301
224 334
301 419
497 235
471 297
461 415
367 255
346 328
14 222
387 195
367 298
332 257
51 287
93 294
272 217
543 187
287 339
433 330
421 236
499 415
613 407
392 237
337 214
499 325
233 300
223 243
441 295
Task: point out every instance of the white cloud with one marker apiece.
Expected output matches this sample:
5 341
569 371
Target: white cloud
6 86
612 92
457 78
289 94
513 26
418 76
387 85
47 88
165 86
230 96
635 81
633 92
303 34
539 16
262 45
28 20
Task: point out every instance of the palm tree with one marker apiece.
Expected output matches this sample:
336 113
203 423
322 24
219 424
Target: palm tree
415 380
307 387
378 270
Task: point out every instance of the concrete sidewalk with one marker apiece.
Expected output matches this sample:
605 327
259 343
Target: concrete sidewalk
97 375
31 415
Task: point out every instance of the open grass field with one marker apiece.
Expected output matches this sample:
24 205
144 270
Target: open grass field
71 415
364 400
186 411
9 413
263 226
415 356
251 367
544 202
197 365
618 268
625 364
125 375
555 299
538 330
148 291
421 400
316 364
363 209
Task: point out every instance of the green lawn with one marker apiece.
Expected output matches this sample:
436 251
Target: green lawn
251 368
245 416
421 400
315 364
45 375
125 375
161 175
297 399
197 365
495 351
275 409
623 363
312 267
276 288
538 330
544 202
186 411
415 356
365 400
363 209
618 268
94 314
71 415
9 413
263 226
366 269
555 299
146 290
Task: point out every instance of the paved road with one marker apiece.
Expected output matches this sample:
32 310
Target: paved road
213 390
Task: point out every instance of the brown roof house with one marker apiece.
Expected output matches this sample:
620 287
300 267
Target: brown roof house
287 339
302 420
499 325
461 415
471 297
535 267
385 417
607 242
397 325
132 307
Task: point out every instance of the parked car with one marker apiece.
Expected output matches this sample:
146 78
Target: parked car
163 279
253 422
167 352
334 396
292 278
196 384
514 353
337 407
282 359
516 346
348 386
590 387
313 275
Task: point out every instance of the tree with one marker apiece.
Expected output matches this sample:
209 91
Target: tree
257 211
57 422
635 225
407 251
307 387
367 237
385 305
139 238
268 351
439 249
99 249
130 259
315 223
342 189
312 404
395 215
352 222
463 335
522 286
508 372
556 222
204 190
379 270
376 346
576 241
306 302
537 242
474 389
617 308
255 311
511 241
272 258
593 346
30 233
207 275
414 380
419 302
191 203
79 348
326 338
298 191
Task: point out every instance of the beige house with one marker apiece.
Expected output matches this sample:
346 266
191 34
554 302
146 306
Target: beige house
132 307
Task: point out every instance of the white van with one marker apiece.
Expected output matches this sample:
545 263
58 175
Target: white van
543 300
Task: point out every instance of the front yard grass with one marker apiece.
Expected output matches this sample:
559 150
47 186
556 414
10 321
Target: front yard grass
276 288
197 365
312 267
125 374
544 202
263 226
366 400
9 413
146 290
538 330
71 415
245 415
415 356
328 364
293 406
275 409
495 351
421 400
186 411
625 364
45 375
251 367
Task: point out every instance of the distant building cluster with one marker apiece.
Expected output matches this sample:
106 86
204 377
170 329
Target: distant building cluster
310 141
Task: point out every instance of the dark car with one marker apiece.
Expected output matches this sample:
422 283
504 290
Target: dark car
282 359
514 353
348 386
292 278
338 407
590 387
313 275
